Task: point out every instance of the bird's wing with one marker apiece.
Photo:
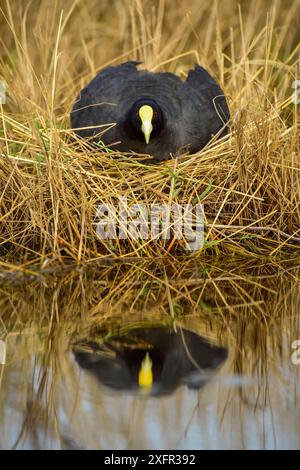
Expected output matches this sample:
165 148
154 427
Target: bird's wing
205 110
97 104
202 82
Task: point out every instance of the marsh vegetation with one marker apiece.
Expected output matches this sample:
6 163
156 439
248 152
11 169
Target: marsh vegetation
63 287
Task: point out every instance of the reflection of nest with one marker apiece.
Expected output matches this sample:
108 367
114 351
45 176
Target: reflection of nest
178 358
110 351
131 343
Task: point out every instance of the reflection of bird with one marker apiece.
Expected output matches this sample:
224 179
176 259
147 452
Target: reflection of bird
153 113
156 359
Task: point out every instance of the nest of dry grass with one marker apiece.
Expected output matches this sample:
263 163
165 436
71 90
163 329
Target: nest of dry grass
51 183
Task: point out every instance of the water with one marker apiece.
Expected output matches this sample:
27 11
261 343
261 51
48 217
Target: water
225 369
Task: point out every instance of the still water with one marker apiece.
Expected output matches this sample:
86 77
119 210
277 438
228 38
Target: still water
221 342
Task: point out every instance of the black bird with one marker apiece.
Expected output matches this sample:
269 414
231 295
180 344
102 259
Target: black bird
151 113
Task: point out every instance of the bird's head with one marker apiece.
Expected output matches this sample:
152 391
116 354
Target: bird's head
146 118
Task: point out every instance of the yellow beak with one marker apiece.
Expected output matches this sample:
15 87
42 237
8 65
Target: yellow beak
146 115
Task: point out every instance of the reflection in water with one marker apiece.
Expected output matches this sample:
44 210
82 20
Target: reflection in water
177 358
222 370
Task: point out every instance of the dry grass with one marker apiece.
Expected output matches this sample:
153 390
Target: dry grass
210 295
50 184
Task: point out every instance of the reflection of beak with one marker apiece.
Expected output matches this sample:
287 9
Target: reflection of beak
145 373
146 115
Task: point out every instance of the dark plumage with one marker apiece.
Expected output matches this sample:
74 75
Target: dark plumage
177 115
